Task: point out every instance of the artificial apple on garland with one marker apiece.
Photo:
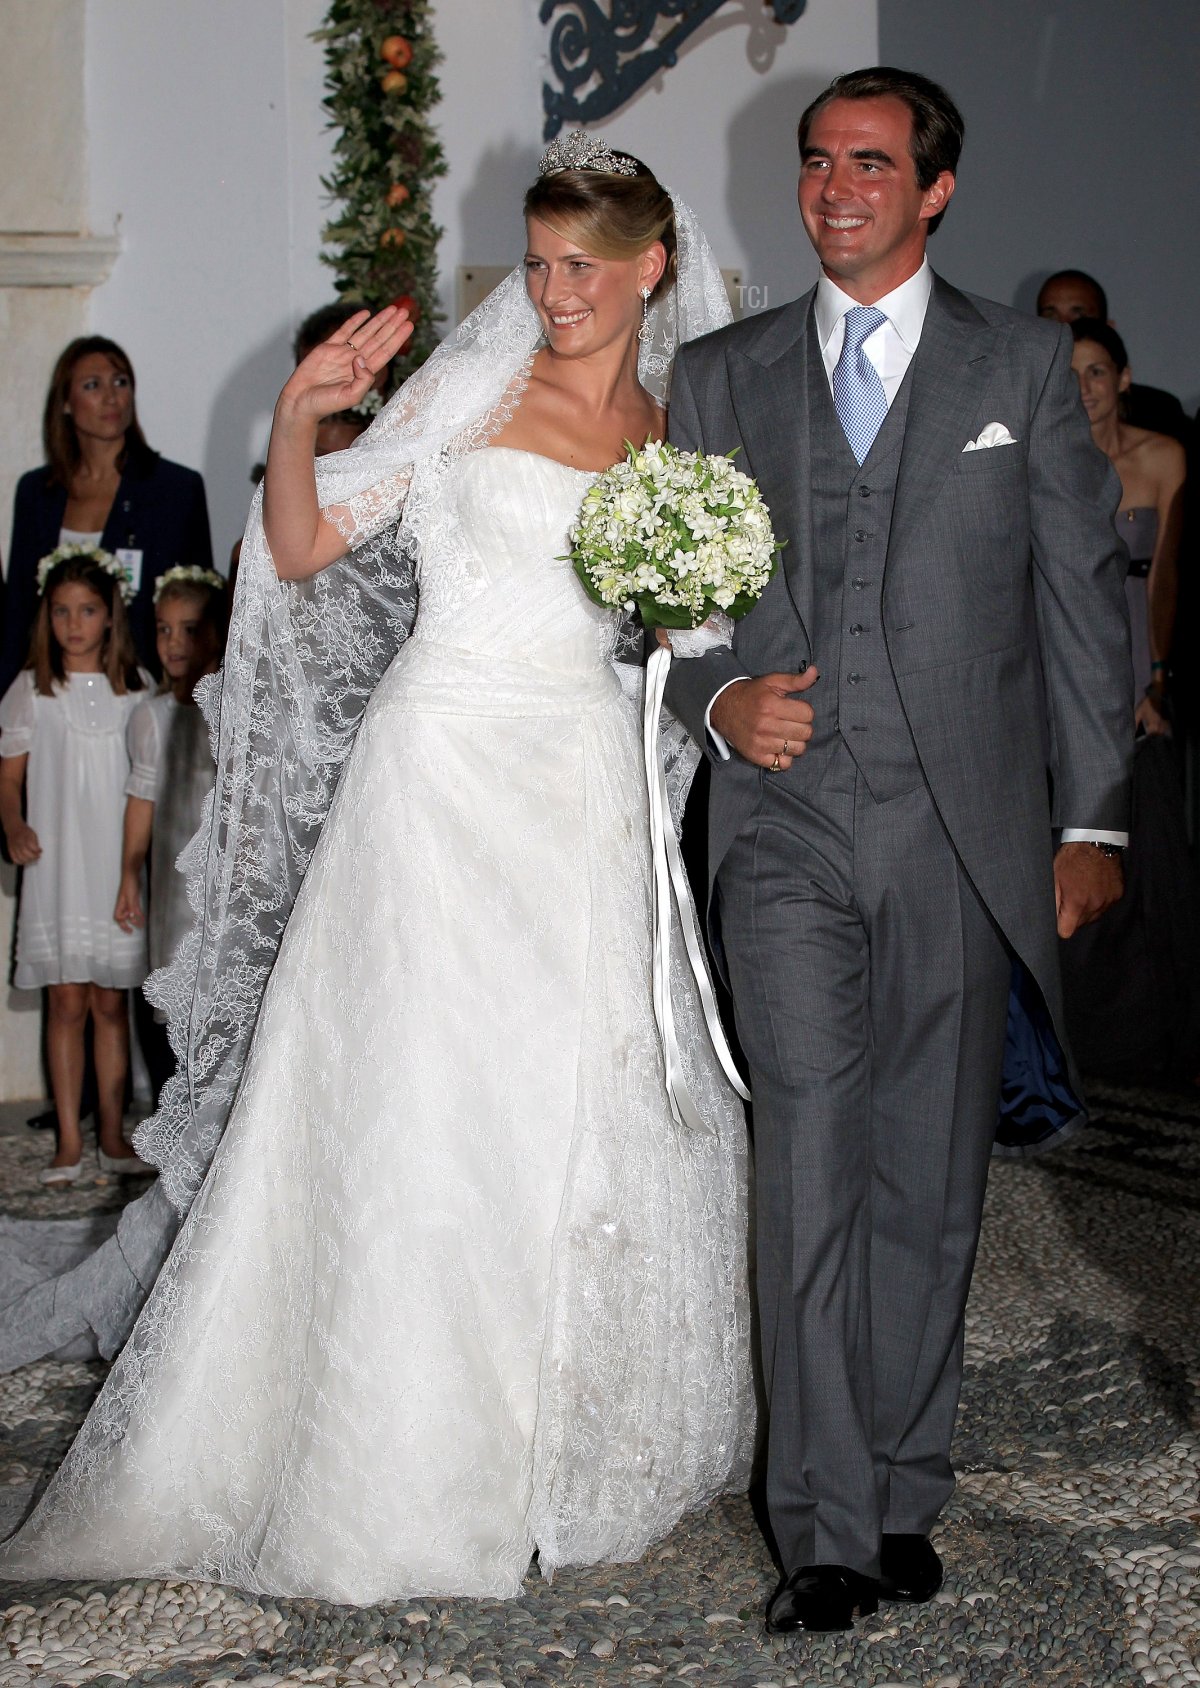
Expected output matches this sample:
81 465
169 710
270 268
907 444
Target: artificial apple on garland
397 52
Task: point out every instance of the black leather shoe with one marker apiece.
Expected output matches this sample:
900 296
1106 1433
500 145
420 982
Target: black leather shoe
818 1597
909 1568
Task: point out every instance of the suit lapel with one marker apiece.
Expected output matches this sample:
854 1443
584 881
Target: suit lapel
769 387
951 370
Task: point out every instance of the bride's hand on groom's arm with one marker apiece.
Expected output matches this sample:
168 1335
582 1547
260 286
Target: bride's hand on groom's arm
758 717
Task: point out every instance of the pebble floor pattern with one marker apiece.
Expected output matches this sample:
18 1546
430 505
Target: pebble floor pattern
1072 1545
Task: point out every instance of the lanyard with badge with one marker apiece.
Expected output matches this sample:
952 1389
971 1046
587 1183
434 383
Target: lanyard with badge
130 556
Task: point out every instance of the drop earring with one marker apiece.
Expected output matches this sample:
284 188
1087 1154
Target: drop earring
645 332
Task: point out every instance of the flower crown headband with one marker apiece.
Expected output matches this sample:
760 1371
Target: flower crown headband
581 151
102 559
190 574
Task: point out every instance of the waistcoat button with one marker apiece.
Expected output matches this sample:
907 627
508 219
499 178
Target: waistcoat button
859 535
856 630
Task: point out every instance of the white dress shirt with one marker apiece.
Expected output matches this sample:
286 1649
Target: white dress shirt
890 349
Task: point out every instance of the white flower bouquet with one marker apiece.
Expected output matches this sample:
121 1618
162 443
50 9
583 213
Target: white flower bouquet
675 534
687 540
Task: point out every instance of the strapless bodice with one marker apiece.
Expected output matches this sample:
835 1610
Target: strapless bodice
517 507
505 588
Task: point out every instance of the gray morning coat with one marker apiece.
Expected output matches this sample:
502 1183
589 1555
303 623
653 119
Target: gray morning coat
1003 600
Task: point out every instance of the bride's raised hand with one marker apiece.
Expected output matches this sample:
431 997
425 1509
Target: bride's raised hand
338 374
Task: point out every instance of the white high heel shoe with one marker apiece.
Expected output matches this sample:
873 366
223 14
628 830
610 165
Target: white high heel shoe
125 1166
60 1174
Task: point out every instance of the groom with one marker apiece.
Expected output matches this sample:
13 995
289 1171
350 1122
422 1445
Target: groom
950 604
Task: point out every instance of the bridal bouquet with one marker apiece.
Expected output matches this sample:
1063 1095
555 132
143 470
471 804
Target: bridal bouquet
687 540
677 535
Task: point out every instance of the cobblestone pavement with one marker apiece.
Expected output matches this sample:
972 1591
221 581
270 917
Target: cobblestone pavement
1072 1546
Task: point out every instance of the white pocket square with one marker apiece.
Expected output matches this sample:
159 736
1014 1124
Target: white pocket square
994 434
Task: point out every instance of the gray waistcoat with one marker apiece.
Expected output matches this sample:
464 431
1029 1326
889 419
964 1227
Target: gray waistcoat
856 701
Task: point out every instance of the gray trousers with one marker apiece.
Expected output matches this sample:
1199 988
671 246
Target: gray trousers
870 989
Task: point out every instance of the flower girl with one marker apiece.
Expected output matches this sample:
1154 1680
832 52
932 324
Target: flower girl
171 762
62 739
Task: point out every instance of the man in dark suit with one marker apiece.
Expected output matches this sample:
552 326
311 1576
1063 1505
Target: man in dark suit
1068 295
880 831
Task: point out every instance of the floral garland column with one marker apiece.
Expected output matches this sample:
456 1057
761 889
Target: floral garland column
380 57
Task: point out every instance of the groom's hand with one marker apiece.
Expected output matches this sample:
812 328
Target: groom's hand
1086 882
760 717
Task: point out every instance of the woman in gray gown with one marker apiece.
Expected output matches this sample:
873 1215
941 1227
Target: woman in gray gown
1131 985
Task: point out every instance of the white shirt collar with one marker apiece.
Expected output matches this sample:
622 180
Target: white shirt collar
905 307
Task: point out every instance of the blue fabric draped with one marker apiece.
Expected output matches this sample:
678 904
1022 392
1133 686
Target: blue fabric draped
1037 1098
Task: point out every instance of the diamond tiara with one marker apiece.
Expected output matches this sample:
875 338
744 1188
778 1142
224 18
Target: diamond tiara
581 151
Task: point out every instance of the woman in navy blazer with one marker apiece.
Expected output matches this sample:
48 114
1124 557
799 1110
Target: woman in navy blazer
100 476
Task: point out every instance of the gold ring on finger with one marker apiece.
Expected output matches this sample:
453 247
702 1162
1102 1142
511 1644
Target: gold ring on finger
785 749
775 764
351 345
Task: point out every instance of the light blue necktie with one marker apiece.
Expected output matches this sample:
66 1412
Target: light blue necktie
858 393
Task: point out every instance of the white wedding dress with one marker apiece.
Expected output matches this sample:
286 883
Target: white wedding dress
456 1287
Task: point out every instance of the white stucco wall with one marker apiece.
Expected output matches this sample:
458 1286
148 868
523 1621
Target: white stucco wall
41 107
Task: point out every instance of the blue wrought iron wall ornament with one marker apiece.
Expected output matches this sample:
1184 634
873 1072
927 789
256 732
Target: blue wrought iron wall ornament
613 52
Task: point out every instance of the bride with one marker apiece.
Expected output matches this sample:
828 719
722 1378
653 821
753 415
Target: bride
453 1286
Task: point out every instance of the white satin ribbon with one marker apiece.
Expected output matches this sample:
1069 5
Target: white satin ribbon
669 876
